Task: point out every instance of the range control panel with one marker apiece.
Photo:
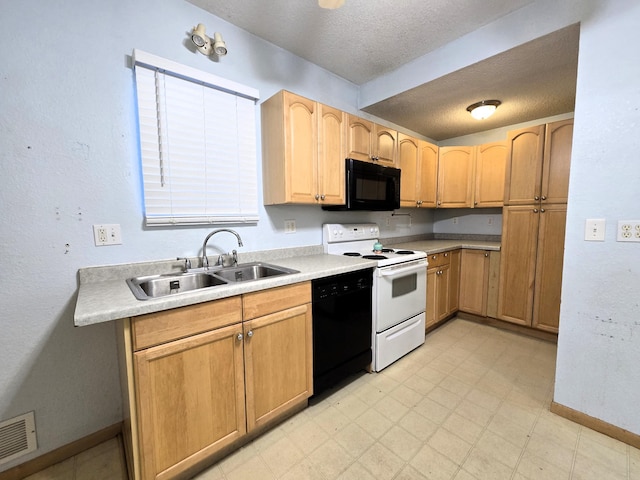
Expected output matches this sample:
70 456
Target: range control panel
349 232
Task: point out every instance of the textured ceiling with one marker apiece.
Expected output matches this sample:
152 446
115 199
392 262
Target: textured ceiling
534 80
366 39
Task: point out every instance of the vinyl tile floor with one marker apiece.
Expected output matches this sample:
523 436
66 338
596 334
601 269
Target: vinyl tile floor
472 403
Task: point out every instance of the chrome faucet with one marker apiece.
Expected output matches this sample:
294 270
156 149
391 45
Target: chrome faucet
205 260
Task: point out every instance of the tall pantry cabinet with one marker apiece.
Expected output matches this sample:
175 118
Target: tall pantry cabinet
533 225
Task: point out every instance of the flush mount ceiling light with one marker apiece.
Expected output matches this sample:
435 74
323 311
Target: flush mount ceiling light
204 43
330 4
483 109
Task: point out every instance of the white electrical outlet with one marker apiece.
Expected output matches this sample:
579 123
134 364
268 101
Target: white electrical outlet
289 226
594 229
628 231
455 220
108 234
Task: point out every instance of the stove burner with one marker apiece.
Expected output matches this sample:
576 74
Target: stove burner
386 250
374 257
351 254
404 252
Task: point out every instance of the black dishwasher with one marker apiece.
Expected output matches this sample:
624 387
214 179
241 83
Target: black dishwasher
341 327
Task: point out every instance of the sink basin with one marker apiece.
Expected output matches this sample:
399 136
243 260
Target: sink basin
162 285
153 286
252 271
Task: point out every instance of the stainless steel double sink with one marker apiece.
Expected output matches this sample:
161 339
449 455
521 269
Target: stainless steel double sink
153 286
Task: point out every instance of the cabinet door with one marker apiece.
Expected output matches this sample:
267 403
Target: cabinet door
455 175
546 308
432 300
190 400
301 146
385 147
278 363
491 163
517 263
524 166
557 158
427 174
331 155
359 138
453 284
474 281
408 162
442 292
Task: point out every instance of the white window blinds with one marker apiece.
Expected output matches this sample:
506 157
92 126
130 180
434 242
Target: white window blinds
197 144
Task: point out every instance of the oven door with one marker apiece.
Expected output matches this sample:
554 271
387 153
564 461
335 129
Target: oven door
399 293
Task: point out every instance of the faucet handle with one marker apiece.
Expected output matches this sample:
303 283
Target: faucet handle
235 257
187 263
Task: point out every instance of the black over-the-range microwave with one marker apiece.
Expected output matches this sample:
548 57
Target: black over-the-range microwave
369 186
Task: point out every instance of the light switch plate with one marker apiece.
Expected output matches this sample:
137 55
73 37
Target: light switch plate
594 229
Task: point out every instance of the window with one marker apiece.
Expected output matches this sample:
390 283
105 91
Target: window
197 145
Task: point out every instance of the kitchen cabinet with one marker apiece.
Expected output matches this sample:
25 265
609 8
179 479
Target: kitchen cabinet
278 351
474 281
370 142
455 177
418 161
303 151
491 162
442 286
538 164
200 379
533 225
531 265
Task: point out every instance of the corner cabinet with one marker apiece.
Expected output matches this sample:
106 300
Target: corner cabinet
303 151
199 380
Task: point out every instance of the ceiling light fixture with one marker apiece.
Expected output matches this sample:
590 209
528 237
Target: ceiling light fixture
204 43
330 4
483 109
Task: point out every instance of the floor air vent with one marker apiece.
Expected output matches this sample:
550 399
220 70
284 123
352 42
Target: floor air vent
17 437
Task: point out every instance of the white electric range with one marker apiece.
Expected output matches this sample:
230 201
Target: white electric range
399 289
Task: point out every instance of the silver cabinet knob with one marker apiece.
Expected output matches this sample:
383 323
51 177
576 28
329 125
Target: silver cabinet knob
250 333
239 337
322 197
446 254
544 197
542 210
317 196
536 197
486 254
535 210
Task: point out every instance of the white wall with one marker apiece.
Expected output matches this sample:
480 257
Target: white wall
598 366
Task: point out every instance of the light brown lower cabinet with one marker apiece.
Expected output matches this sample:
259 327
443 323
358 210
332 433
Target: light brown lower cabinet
442 286
199 379
479 273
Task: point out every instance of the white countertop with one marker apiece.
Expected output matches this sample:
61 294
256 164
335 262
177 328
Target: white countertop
104 296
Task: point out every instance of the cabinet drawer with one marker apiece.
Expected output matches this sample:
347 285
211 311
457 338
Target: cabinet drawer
257 304
161 327
439 259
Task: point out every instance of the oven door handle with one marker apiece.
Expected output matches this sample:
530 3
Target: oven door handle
401 271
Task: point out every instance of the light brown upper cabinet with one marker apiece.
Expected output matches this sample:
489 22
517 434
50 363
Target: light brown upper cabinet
303 151
418 161
455 177
370 142
491 163
538 164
